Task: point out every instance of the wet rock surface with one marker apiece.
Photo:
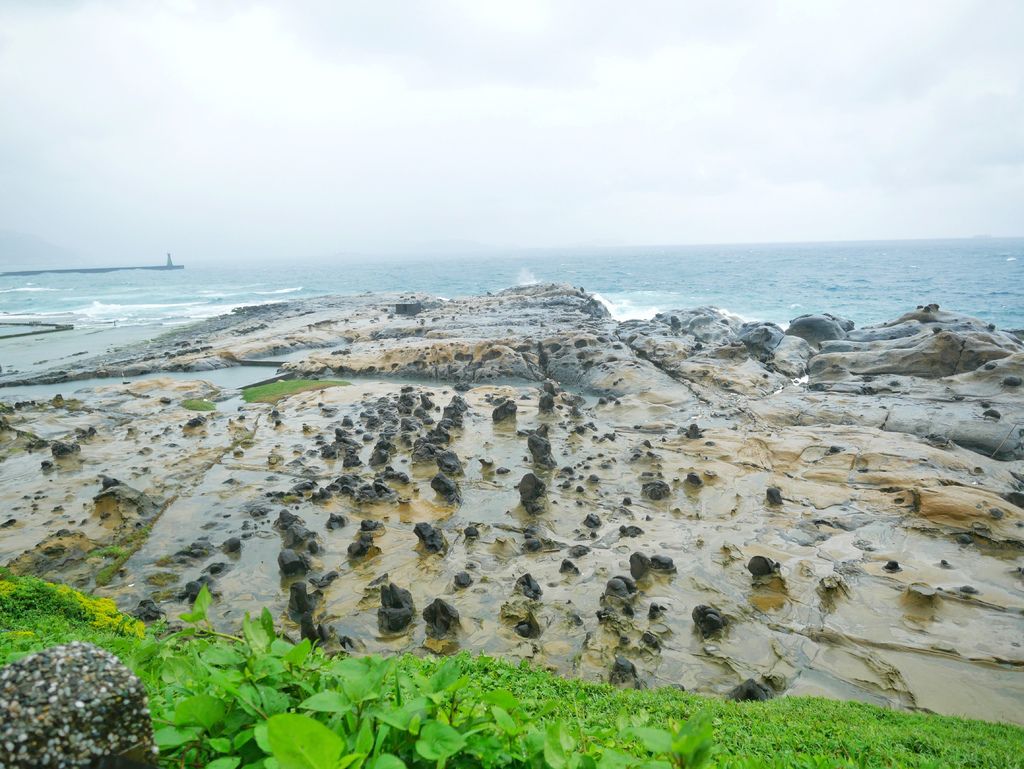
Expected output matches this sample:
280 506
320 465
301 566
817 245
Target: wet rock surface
650 468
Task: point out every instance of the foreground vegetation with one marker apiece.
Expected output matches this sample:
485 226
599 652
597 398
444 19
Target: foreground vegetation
260 701
272 392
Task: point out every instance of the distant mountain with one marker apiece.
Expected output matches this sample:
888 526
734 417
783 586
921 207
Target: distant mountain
19 250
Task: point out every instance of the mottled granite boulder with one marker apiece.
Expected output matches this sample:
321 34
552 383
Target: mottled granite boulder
70 705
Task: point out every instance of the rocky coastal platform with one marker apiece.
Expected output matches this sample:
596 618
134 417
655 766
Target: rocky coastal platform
691 500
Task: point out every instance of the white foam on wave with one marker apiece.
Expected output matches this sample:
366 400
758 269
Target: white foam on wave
1011 258
526 278
208 294
158 314
278 291
624 309
103 310
26 288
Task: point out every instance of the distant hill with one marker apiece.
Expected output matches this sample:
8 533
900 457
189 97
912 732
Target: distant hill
19 250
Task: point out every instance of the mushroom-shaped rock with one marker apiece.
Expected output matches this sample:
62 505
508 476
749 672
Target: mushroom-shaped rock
528 627
624 673
430 537
750 691
656 490
662 563
447 488
298 599
708 620
396 609
291 563
540 450
363 545
528 586
531 493
760 566
448 462
441 617
60 450
639 565
620 587
504 410
148 611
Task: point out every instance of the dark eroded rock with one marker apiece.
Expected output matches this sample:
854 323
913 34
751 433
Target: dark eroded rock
750 691
656 490
708 620
528 586
759 566
441 617
430 537
446 488
291 563
396 609
624 673
531 493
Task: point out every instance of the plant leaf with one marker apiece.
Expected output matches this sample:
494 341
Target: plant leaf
173 737
655 740
439 741
386 761
299 652
327 701
504 721
202 603
201 710
300 742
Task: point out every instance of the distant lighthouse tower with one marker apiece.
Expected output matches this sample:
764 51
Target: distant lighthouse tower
169 262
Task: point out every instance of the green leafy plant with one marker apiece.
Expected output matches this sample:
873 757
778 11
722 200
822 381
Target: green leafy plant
257 700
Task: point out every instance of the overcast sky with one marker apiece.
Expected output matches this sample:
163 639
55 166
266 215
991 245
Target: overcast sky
293 129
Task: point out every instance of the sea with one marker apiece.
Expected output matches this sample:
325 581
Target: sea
868 282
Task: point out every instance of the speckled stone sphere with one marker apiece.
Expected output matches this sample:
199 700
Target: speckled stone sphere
69 705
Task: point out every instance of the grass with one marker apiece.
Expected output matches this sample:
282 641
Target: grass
122 551
162 578
800 725
110 551
799 732
274 391
199 404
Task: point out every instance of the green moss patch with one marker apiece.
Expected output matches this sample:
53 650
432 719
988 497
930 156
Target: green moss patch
274 391
199 404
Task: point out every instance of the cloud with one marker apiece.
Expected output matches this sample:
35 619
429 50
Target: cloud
279 129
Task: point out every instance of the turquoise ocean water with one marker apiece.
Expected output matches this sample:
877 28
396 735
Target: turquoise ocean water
865 281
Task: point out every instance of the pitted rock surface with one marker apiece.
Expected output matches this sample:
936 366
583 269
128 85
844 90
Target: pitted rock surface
70 705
